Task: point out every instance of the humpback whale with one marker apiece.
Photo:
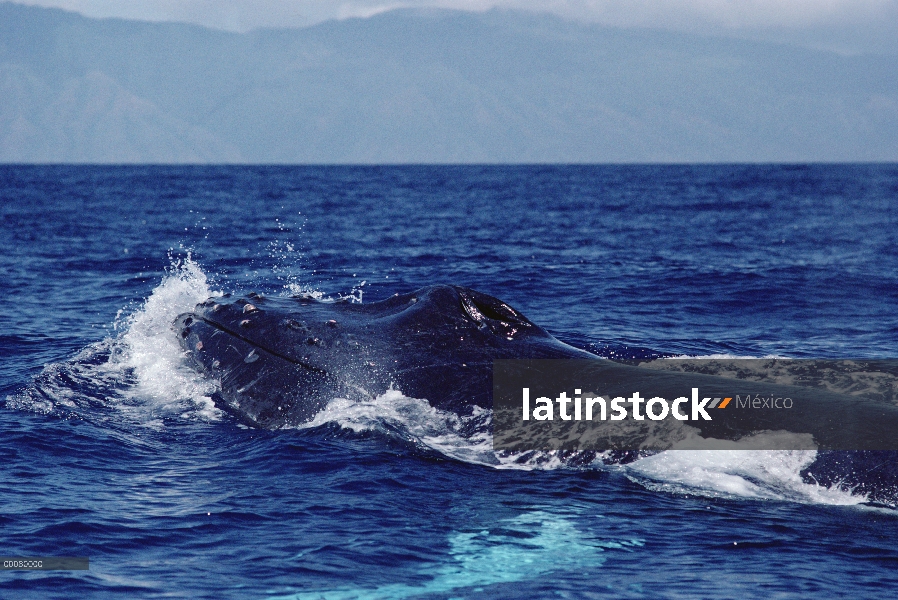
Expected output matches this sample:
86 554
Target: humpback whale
280 360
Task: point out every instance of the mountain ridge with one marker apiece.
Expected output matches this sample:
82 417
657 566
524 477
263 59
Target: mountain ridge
445 87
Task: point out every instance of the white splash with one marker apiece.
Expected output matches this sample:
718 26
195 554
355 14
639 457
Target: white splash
756 474
295 289
417 421
140 371
149 350
753 474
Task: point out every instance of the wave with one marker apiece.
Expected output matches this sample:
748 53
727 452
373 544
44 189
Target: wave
139 378
139 373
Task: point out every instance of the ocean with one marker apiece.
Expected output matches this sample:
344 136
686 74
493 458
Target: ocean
112 448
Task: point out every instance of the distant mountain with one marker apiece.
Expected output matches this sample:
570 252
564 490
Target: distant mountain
428 86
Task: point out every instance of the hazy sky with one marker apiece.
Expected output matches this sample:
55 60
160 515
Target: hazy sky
843 25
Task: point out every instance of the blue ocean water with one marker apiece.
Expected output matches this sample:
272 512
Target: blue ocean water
111 447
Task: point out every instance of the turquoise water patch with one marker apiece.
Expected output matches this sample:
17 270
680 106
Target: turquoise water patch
519 549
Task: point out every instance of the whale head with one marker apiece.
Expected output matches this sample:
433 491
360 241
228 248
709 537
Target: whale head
279 360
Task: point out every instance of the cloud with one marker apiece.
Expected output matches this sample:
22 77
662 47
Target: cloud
728 13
